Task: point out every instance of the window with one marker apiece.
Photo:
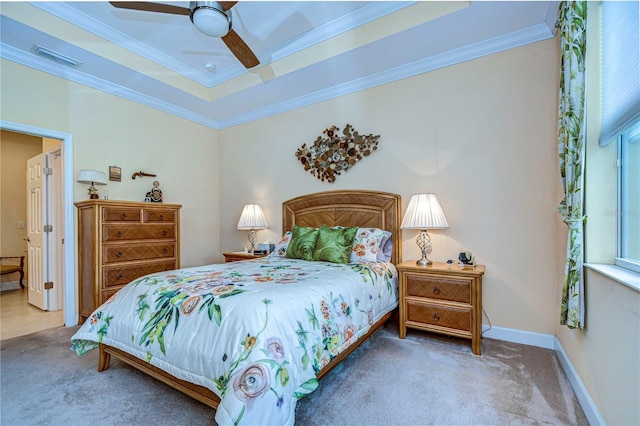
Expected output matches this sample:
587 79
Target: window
629 198
620 103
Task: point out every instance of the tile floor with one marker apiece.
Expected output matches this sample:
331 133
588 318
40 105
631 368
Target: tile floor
18 317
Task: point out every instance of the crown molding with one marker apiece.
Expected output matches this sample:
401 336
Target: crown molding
487 47
30 60
494 45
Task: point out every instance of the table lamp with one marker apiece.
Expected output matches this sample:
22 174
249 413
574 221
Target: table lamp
252 218
424 212
92 177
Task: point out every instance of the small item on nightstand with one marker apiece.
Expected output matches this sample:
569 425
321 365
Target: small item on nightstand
466 258
267 247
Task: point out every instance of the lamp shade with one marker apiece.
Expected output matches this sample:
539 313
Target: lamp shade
210 18
92 177
252 218
424 212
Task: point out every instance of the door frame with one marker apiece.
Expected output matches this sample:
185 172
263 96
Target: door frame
70 306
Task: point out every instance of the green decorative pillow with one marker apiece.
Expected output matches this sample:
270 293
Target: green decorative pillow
334 245
303 243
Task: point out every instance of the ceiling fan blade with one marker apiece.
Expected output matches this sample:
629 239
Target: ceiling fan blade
239 48
151 7
226 5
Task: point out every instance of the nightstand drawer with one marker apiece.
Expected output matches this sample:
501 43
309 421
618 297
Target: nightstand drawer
441 288
452 317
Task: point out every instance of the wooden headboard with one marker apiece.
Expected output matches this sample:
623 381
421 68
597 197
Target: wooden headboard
362 208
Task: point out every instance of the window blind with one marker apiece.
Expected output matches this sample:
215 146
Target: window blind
620 68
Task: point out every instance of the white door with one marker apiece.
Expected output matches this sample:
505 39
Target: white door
37 238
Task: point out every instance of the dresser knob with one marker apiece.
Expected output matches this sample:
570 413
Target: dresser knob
118 254
118 234
436 290
164 233
123 216
165 250
119 276
161 217
436 317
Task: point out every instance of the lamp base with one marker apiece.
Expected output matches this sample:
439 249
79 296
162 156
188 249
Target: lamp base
252 240
424 242
423 262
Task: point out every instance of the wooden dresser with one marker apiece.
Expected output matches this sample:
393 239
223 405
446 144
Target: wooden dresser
442 298
119 241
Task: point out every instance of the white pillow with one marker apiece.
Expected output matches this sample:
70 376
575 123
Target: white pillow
281 247
368 244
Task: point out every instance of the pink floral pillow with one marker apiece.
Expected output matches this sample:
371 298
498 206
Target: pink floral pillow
281 247
368 245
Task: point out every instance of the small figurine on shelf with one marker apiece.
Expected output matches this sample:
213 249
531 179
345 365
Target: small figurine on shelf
466 258
155 195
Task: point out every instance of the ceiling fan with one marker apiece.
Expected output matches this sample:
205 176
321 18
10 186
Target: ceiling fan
209 17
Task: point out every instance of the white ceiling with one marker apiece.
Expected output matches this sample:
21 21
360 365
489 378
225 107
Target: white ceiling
309 51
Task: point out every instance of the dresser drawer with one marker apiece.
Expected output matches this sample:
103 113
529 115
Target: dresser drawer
120 275
120 214
129 252
126 232
441 288
158 215
457 318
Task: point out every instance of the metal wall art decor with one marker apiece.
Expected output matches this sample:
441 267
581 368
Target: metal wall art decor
336 152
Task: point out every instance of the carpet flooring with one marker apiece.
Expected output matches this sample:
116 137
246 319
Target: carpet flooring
424 379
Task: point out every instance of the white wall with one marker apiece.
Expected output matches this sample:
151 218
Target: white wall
481 135
109 130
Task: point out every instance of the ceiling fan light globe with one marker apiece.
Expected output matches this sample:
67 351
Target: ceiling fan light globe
210 18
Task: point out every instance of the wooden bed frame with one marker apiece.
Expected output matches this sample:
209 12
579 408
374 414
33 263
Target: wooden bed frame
344 208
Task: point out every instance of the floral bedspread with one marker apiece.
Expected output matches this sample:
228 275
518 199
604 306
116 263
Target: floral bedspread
254 332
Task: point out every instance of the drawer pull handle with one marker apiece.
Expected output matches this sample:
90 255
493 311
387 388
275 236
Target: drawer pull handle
164 233
165 250
118 234
118 254
436 317
436 290
161 217
123 216
119 276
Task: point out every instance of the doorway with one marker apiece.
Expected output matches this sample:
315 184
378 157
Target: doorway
70 315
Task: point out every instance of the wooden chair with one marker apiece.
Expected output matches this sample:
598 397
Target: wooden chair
10 269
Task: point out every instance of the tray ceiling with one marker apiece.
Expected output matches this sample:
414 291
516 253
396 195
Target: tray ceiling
309 51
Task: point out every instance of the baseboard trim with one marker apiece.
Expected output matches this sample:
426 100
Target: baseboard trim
11 285
519 336
548 341
588 406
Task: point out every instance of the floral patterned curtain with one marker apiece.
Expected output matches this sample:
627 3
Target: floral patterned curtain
571 138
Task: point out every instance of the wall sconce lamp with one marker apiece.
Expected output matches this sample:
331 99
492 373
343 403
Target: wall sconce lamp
424 212
92 177
252 218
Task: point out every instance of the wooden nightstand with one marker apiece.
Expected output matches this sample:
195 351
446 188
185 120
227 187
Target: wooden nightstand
235 256
442 298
